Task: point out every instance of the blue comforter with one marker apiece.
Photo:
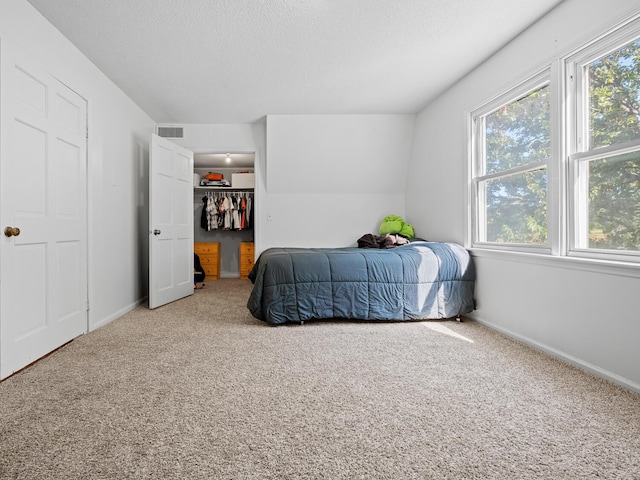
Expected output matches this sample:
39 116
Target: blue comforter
421 280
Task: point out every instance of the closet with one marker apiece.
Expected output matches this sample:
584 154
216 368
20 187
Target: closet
223 185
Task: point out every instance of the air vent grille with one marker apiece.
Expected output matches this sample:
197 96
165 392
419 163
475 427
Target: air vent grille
170 132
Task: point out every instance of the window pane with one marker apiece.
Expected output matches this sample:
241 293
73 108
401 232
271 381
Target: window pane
614 202
614 97
518 133
516 208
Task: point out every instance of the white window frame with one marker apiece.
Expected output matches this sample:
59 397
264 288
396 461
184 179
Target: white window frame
478 175
563 176
579 154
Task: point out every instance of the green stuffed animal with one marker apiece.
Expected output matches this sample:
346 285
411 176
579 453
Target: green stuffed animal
396 224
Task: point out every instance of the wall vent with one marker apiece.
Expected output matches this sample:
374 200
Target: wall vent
170 132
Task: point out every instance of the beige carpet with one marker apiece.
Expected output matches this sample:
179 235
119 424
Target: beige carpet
199 389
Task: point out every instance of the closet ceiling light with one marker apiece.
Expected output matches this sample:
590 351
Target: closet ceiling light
228 159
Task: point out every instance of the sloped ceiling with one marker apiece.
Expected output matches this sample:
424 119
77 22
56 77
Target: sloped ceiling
234 61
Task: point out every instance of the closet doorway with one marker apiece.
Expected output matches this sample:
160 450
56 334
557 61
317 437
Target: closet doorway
224 204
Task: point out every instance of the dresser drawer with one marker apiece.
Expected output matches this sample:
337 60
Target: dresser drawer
209 259
209 254
204 248
246 258
246 249
211 271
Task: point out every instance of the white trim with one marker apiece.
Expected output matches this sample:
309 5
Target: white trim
578 151
597 265
529 167
542 249
229 275
517 91
567 154
593 369
556 170
118 314
257 169
541 78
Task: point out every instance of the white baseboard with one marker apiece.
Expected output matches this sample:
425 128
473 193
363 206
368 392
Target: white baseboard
115 315
594 369
229 274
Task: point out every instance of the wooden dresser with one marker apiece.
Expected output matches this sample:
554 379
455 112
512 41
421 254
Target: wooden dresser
246 258
209 253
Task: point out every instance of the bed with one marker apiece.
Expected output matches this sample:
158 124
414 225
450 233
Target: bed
420 280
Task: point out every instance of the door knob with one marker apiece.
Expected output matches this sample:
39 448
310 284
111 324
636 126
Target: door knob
156 232
11 231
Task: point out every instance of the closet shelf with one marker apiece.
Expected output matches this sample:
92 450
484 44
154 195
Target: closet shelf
223 189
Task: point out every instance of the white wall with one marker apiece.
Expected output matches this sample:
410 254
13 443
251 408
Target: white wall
586 317
332 178
321 180
117 164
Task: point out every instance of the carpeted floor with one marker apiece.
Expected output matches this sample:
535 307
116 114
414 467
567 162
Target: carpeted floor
199 389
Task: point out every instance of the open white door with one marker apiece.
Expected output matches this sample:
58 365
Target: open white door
43 217
170 222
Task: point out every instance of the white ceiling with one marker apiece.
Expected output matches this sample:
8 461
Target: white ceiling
234 61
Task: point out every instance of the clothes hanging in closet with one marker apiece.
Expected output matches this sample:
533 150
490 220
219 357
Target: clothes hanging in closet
227 211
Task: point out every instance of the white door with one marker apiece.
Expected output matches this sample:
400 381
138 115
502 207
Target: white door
170 222
43 218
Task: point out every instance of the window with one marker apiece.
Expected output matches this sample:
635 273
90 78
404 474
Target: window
513 149
585 134
604 151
